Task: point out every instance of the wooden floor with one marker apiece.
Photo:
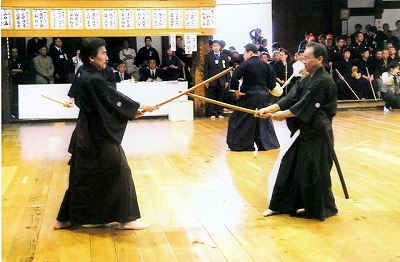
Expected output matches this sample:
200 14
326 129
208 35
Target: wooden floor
203 202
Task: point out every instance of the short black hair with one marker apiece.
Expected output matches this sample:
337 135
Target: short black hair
216 42
251 47
393 64
147 37
90 48
318 50
346 50
276 45
373 29
338 38
308 33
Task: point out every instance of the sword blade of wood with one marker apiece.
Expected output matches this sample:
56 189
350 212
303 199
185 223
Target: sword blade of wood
54 100
212 101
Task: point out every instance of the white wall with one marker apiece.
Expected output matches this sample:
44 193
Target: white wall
362 20
390 16
360 3
235 19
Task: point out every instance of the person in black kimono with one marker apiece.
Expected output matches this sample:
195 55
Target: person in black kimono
358 46
364 86
146 53
283 69
17 72
244 129
344 66
303 183
171 65
101 188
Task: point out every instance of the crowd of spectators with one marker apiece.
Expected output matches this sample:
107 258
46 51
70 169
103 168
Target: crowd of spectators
356 62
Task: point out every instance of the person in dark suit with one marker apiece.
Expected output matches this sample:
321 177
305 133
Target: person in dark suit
60 61
152 73
214 63
121 74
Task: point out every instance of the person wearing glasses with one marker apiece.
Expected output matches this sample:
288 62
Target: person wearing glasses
303 182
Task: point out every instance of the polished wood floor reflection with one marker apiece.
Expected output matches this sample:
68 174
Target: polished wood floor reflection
202 201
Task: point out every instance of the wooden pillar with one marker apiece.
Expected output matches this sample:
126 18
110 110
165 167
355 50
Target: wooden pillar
5 83
203 48
378 9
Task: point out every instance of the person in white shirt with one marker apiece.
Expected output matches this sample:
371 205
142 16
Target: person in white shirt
77 61
390 90
128 55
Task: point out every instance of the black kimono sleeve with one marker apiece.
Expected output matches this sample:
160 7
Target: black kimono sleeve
106 109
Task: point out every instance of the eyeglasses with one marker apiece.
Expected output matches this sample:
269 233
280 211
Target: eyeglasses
306 58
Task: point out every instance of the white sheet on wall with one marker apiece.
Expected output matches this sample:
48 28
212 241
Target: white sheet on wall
360 3
390 16
32 105
362 20
236 18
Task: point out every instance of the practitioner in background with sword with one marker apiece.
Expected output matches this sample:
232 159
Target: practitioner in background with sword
258 78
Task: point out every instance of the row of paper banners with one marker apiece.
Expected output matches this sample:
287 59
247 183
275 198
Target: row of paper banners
107 18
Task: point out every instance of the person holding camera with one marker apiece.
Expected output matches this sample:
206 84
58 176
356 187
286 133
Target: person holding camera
390 90
256 37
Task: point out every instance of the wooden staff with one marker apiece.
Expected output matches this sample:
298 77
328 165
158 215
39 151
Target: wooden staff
212 101
370 83
286 79
337 71
287 82
65 104
296 70
196 86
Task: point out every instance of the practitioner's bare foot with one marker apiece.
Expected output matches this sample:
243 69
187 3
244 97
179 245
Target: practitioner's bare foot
268 213
300 211
134 225
60 225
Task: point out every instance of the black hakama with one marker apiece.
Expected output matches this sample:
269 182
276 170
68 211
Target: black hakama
244 129
101 188
303 179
